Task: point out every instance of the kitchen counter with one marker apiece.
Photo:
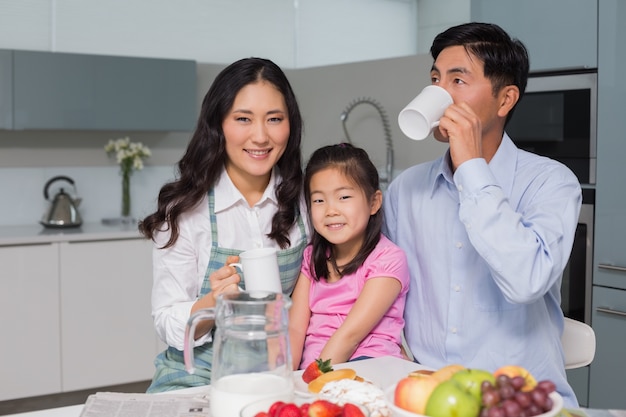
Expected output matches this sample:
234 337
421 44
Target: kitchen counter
37 234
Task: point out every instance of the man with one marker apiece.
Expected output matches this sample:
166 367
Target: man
487 228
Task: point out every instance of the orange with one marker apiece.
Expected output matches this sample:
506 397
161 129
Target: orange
318 383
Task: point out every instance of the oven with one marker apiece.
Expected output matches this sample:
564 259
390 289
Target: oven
556 118
578 274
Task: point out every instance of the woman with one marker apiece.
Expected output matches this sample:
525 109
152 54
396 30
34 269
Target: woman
239 187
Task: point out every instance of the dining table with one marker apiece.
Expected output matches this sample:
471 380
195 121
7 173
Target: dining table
383 372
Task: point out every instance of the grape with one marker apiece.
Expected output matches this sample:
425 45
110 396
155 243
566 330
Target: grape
491 398
503 380
518 382
548 405
485 386
546 385
511 408
496 411
534 410
506 392
539 397
510 398
523 399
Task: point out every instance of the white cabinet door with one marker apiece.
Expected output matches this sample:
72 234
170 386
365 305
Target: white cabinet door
30 357
107 336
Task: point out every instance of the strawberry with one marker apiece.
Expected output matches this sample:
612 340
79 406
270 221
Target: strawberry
351 410
289 410
261 414
323 408
315 369
273 411
304 409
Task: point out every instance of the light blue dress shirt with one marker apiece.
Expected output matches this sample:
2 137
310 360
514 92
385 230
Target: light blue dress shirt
487 246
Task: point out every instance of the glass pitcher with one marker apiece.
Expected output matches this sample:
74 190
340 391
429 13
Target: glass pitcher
251 353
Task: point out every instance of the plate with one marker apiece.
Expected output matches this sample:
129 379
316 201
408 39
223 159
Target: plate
382 372
400 412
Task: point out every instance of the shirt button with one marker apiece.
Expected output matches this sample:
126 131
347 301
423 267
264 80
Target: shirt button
453 330
458 245
457 288
459 187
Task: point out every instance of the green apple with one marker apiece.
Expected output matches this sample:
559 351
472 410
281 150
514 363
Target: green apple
471 380
450 399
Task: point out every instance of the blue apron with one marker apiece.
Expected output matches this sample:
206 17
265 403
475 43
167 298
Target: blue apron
170 366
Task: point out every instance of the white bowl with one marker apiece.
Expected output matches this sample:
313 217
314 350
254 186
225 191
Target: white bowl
401 412
252 409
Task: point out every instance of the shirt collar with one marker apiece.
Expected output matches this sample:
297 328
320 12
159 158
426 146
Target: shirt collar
227 195
502 165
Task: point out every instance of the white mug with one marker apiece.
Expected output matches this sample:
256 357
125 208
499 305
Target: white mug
260 269
418 119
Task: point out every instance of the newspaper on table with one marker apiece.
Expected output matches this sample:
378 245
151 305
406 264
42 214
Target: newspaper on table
115 404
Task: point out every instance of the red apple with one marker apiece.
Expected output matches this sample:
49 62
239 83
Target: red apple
413 392
444 373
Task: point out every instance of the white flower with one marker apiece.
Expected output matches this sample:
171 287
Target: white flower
129 155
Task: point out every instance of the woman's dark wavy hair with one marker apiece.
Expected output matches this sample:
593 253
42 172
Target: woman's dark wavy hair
505 59
356 165
204 159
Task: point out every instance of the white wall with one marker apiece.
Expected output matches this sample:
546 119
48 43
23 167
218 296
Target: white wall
352 58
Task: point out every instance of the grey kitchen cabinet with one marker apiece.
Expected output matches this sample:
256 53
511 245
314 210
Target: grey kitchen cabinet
6 89
579 381
608 370
607 376
559 34
30 352
610 228
97 92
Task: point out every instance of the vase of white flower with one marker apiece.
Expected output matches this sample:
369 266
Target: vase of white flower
129 156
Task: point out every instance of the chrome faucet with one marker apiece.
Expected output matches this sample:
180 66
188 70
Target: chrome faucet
386 180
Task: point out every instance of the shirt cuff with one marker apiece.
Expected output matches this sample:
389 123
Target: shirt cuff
472 176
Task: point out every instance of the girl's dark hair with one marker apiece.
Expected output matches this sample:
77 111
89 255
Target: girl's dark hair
505 59
204 159
356 165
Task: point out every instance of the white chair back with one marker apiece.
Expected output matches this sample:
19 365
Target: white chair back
579 344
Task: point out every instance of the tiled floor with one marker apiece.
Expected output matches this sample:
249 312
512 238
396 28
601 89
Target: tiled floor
23 405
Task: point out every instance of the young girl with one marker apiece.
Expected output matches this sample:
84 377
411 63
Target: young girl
349 298
239 187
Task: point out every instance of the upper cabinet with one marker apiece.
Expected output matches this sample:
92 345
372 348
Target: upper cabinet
6 90
559 34
98 92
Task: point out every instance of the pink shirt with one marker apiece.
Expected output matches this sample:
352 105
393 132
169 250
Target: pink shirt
330 303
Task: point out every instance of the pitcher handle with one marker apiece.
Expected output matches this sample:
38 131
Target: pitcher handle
190 329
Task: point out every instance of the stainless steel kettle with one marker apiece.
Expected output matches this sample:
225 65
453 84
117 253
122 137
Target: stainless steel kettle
63 210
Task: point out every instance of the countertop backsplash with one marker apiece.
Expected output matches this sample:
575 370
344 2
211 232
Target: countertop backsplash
100 189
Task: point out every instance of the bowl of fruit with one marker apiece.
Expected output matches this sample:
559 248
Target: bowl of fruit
302 408
454 390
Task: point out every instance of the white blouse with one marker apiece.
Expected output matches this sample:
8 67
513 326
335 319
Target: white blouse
178 271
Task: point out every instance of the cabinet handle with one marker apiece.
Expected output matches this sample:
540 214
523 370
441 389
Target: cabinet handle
612 267
611 311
